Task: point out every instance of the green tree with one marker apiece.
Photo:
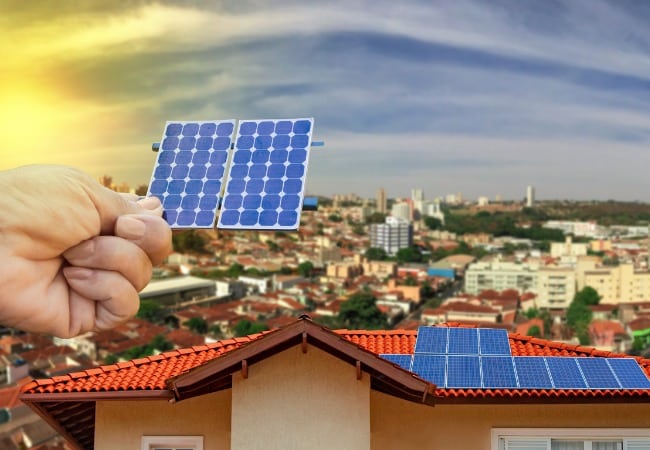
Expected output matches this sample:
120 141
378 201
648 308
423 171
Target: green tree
151 311
306 269
360 312
335 218
376 254
245 327
235 270
197 324
433 223
376 217
409 254
161 344
188 241
534 331
587 295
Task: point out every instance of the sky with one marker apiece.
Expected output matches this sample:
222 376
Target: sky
472 96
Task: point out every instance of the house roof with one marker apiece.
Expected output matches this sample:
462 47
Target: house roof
67 401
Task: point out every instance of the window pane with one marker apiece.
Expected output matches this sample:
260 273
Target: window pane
604 445
567 445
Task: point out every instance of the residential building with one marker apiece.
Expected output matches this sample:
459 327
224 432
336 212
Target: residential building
381 201
556 287
401 210
379 269
530 196
619 284
307 387
392 235
501 275
178 290
568 251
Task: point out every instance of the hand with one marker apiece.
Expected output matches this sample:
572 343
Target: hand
73 254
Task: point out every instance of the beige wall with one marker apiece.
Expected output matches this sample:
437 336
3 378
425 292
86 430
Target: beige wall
397 424
301 401
121 424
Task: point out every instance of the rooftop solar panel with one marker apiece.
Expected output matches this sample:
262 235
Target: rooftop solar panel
498 372
432 340
493 341
266 180
565 373
430 368
532 372
597 373
629 373
189 171
463 371
463 341
404 361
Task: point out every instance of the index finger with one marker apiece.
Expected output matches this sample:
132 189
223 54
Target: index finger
149 232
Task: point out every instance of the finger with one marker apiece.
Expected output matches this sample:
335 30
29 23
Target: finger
114 298
114 254
152 234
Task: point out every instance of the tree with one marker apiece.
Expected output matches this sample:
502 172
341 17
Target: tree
197 324
433 223
305 269
245 327
150 310
534 331
409 254
360 312
188 241
376 254
588 296
335 218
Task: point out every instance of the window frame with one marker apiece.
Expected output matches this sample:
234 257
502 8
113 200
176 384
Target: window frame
587 434
172 441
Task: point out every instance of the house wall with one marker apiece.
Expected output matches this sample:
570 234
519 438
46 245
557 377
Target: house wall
395 423
121 424
297 400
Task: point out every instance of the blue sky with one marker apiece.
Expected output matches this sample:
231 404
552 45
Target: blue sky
476 97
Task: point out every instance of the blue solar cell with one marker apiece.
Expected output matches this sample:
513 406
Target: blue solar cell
629 373
430 367
261 148
498 372
432 340
597 373
493 341
565 373
463 341
404 361
463 371
189 171
532 372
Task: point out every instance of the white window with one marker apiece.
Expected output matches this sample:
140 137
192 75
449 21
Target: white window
172 442
570 439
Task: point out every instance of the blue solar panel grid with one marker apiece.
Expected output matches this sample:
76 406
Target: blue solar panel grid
532 372
565 373
629 373
430 368
266 180
494 341
463 341
498 372
597 373
404 361
189 171
463 372
432 340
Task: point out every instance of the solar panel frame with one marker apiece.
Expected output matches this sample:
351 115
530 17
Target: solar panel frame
402 360
430 367
267 175
189 171
432 340
597 373
463 371
629 373
498 372
494 341
463 341
532 372
565 373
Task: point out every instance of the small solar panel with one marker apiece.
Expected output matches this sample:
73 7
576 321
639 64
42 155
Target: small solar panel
463 371
494 341
189 171
404 361
565 373
432 340
597 373
266 180
498 372
629 373
532 372
463 341
430 368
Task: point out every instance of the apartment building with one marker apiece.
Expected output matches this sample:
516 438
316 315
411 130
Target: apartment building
619 284
556 287
501 275
392 235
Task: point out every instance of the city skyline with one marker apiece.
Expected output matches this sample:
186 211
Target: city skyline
482 98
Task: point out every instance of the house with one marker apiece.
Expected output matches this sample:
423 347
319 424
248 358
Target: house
307 387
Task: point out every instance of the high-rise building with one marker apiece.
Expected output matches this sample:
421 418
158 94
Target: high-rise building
417 195
530 196
401 210
381 201
392 235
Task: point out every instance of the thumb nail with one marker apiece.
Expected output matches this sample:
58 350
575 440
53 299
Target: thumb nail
130 228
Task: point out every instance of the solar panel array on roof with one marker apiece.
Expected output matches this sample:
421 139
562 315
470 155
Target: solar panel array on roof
494 341
432 340
432 368
404 361
266 177
462 341
629 373
189 171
